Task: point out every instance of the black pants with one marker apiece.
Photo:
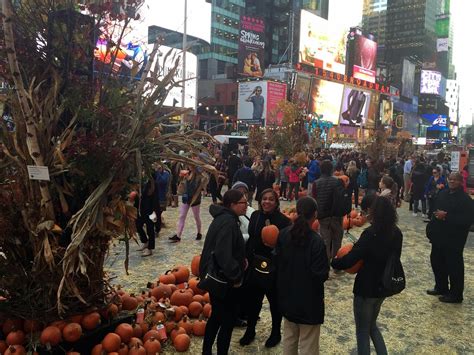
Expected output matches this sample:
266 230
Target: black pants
254 306
447 263
221 323
294 187
215 189
158 222
149 236
283 188
431 201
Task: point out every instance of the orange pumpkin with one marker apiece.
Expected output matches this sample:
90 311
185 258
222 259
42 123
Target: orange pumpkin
181 342
134 341
344 250
270 235
199 327
193 285
206 310
72 332
129 303
354 214
3 346
167 278
91 321
176 331
184 310
206 298
181 274
345 223
50 335
97 350
315 226
181 298
178 313
59 324
15 350
198 298
186 325
158 317
137 331
195 309
152 346
195 265
151 334
111 311
111 342
137 350
123 350
125 332
16 337
161 290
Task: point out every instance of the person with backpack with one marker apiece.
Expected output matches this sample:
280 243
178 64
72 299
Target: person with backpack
377 246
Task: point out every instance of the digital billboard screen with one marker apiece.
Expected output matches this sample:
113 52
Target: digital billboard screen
325 99
365 59
300 92
251 47
432 82
408 79
322 44
355 107
386 112
438 122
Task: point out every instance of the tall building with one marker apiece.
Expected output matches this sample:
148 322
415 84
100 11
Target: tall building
374 21
452 100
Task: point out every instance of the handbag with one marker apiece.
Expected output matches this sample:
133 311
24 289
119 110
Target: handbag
214 282
262 272
393 277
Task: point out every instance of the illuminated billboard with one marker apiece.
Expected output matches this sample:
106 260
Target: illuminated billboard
251 47
438 122
300 93
355 107
386 112
322 44
364 59
325 99
408 79
432 82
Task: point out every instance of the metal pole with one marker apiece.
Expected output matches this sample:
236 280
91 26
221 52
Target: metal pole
185 44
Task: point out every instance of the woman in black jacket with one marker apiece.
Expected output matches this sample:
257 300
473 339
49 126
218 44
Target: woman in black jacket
225 248
300 248
265 179
268 211
374 247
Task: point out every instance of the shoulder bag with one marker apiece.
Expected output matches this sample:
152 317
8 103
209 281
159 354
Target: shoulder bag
214 282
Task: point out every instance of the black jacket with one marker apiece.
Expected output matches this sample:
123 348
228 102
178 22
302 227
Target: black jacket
256 224
264 182
452 232
246 175
323 191
225 240
234 163
149 201
373 178
301 273
419 178
374 250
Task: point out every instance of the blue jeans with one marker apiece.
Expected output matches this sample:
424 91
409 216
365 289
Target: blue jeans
366 311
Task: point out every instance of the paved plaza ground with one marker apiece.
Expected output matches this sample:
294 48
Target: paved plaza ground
412 322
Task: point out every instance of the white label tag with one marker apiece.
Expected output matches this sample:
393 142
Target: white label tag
38 172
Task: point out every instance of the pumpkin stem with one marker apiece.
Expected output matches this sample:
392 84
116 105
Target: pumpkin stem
267 222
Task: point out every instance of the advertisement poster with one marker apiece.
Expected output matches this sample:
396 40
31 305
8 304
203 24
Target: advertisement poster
325 99
438 122
276 92
386 112
432 82
365 59
322 45
300 94
408 79
252 101
355 107
251 47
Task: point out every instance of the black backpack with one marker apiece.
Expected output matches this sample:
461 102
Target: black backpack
393 278
342 203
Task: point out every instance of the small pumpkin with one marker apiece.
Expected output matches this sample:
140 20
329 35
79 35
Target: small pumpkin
270 234
111 342
199 327
125 332
16 337
123 350
176 331
167 278
193 285
59 324
51 336
72 332
158 317
181 273
178 313
152 346
195 265
206 310
206 298
97 350
198 298
111 311
169 326
11 324
3 346
161 290
345 249
15 350
181 342
186 325
354 214
134 341
181 298
91 321
137 350
184 309
195 309
129 303
151 334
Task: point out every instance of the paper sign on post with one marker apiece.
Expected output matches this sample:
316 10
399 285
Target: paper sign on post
38 172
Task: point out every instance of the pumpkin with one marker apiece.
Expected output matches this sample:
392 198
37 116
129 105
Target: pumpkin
344 250
169 325
137 350
206 298
181 298
97 350
181 273
158 317
76 319
16 337
186 325
129 303
152 346
111 311
195 265
195 309
134 341
123 349
176 331
3 346
206 310
193 285
198 298
91 321
167 278
151 334
315 225
59 324
358 222
73 353
199 327
111 342
345 180
50 336
11 324
144 326
345 223
31 326
72 332
161 290
15 350
184 309
354 214
270 234
181 342
173 288
125 332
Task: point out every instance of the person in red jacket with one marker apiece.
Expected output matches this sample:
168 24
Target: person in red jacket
293 172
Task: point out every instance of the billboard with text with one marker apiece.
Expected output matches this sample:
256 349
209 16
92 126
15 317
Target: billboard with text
365 59
251 47
355 107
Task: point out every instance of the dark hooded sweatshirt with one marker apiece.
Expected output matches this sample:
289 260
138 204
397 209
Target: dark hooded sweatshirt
225 240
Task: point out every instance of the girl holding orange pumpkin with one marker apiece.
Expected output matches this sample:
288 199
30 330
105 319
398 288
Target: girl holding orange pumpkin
374 247
260 284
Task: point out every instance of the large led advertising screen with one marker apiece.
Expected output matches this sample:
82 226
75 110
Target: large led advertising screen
355 107
300 93
365 59
251 47
322 44
408 79
325 99
438 122
432 82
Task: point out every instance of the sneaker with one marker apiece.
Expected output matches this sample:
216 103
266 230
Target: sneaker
198 236
424 215
143 247
415 214
146 252
174 238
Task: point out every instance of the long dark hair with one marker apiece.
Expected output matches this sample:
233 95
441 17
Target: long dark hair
384 216
306 208
275 195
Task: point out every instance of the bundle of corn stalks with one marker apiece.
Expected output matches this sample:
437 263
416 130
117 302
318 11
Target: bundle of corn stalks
94 132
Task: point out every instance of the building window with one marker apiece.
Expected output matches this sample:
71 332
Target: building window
220 67
203 69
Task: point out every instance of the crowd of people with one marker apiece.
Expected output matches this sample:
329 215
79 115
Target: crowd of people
242 268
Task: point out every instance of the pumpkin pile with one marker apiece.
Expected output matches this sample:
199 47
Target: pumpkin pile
353 219
168 312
